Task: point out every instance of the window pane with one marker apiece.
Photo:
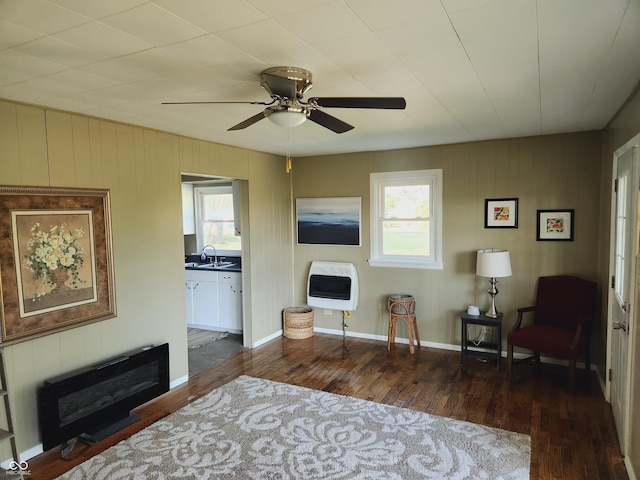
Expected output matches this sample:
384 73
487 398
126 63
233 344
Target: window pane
218 207
405 238
215 217
220 235
406 219
621 220
406 201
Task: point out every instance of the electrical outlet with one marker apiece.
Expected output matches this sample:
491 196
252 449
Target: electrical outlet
328 311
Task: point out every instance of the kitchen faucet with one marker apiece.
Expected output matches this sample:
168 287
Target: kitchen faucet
203 257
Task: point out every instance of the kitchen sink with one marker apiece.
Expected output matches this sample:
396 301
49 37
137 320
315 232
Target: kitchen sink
213 265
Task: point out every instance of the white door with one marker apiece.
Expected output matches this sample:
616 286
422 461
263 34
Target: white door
623 284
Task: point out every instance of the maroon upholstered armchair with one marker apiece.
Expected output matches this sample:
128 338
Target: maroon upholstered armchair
562 318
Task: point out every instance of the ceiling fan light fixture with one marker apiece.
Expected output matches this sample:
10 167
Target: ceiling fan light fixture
287 86
287 116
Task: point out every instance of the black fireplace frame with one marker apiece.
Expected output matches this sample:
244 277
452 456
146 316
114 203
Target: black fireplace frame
96 414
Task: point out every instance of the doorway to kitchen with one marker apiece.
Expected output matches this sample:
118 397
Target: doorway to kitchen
213 253
206 356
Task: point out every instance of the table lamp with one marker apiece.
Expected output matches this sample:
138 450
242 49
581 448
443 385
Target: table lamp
493 264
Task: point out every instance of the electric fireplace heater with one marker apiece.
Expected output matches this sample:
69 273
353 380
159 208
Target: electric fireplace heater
332 285
96 401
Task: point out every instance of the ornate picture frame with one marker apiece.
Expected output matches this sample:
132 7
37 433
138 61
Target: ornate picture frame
555 225
501 213
56 260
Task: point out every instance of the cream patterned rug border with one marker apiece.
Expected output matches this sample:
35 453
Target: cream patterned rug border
253 428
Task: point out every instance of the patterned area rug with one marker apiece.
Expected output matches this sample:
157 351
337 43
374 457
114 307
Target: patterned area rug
197 338
252 428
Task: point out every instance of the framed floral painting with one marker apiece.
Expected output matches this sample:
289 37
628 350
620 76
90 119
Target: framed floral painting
555 225
56 260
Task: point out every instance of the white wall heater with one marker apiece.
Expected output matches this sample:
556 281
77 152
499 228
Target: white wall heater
332 285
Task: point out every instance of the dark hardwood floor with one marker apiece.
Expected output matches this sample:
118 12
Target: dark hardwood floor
573 434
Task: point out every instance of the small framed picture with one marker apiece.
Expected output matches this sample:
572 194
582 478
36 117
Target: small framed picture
556 225
501 213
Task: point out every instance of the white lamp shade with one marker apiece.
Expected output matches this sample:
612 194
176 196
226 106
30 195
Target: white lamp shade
493 263
288 118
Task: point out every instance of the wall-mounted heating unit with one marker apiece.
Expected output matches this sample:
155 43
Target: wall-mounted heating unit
332 285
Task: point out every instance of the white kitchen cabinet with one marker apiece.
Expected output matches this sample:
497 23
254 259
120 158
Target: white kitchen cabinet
202 298
230 301
214 300
188 293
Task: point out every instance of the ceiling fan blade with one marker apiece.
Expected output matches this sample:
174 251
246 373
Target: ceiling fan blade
248 122
212 103
328 121
393 103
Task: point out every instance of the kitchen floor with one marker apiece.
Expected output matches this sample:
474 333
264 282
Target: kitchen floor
216 352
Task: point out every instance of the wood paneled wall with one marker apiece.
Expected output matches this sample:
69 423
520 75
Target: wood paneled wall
141 168
547 172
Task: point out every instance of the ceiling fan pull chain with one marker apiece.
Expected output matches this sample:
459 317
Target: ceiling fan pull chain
288 167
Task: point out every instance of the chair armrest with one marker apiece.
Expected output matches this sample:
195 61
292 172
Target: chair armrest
526 309
583 329
576 338
518 323
585 320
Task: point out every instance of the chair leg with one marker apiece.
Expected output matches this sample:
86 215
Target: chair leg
394 332
509 360
572 374
415 328
410 332
587 362
411 347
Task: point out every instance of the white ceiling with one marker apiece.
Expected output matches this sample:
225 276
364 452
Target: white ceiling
469 69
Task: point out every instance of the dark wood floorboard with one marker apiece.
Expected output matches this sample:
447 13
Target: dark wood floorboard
573 434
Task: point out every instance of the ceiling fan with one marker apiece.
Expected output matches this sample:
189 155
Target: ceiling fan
287 86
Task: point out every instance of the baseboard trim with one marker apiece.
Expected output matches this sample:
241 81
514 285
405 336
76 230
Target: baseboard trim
178 381
442 346
264 340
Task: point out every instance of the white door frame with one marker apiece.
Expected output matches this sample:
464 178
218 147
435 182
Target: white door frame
633 143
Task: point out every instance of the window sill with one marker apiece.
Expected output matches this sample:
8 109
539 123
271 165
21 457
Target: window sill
406 264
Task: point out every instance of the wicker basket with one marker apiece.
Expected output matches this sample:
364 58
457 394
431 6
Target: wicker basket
298 322
402 304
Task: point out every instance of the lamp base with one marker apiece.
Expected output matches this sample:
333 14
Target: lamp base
493 291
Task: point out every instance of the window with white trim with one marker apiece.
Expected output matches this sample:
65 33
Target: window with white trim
215 219
406 219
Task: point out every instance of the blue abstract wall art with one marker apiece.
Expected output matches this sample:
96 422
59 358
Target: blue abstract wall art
329 221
